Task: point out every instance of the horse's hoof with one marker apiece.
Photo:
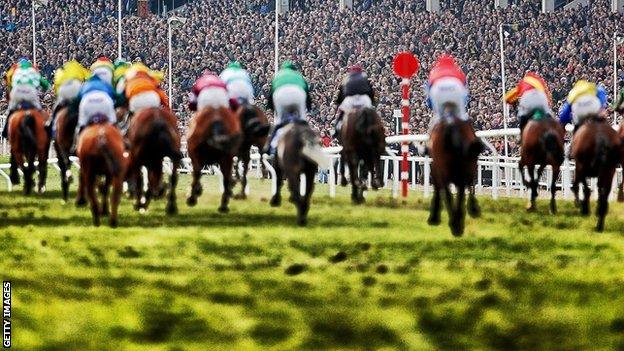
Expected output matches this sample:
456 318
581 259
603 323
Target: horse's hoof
142 210
344 182
620 197
530 208
42 189
276 201
191 201
105 213
224 209
15 180
474 211
240 196
96 222
113 223
457 231
600 227
302 221
553 209
172 209
81 202
433 221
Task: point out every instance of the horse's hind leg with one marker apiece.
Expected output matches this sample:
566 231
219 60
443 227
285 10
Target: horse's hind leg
304 203
196 188
172 207
356 183
376 172
104 189
242 176
620 194
294 185
343 177
226 170
473 205
434 210
64 165
586 198
604 188
553 189
459 212
137 175
115 199
89 184
14 174
29 171
532 185
276 199
43 169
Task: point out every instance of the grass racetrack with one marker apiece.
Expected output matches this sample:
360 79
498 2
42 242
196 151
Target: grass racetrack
368 277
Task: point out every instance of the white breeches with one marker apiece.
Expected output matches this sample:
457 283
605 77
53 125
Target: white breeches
286 96
24 93
449 92
212 97
241 90
96 103
105 74
533 100
585 106
69 90
355 101
143 100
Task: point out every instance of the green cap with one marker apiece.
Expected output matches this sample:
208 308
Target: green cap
235 65
288 65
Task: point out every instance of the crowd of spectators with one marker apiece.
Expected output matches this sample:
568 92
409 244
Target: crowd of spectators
323 40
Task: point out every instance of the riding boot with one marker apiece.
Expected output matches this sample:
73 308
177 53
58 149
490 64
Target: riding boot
50 122
73 149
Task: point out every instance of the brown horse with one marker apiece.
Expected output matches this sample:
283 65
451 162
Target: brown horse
363 139
542 145
214 137
597 150
297 150
153 135
66 121
255 128
454 149
29 140
100 150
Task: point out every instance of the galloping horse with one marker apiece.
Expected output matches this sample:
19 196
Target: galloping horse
100 150
29 140
363 139
66 121
214 137
153 135
298 152
542 145
597 150
454 148
255 128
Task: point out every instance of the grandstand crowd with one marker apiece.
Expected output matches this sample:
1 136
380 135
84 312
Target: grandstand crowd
323 39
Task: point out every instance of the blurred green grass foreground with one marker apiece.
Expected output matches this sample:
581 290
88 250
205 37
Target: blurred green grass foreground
363 278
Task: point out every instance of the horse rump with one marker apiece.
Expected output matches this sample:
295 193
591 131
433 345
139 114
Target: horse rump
311 147
27 131
552 146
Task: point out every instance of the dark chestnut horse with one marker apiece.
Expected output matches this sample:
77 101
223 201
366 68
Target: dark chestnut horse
153 135
66 121
298 152
29 141
101 153
597 150
542 145
454 149
255 128
363 140
214 138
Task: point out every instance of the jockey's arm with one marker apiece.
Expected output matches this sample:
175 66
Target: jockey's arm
163 98
565 115
45 85
192 102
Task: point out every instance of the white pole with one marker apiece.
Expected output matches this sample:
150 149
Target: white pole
119 29
170 62
615 96
502 64
276 35
34 36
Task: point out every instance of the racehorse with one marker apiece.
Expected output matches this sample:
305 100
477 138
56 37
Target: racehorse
29 140
66 121
255 128
597 150
214 137
542 145
101 154
153 135
454 149
363 139
298 152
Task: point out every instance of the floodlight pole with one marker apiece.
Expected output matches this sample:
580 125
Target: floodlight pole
170 21
502 65
119 29
34 35
276 48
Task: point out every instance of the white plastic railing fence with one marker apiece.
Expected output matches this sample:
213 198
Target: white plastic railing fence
496 174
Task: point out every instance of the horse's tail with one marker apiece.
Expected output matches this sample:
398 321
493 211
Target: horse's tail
164 139
251 123
312 149
112 163
27 131
606 154
551 145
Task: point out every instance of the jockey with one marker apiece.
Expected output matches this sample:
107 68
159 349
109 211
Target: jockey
238 82
67 83
446 89
208 91
119 72
290 99
103 68
96 99
530 95
584 100
23 85
142 88
354 91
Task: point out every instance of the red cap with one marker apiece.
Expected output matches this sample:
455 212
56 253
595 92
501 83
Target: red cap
445 67
355 69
